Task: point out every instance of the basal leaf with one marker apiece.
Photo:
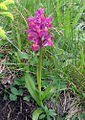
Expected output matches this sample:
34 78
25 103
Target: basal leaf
48 92
42 116
31 88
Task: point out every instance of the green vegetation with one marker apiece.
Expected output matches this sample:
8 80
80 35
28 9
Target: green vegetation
3 8
63 66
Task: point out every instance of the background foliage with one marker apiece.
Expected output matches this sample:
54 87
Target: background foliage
63 65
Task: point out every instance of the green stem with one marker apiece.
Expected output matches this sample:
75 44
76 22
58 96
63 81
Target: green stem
39 75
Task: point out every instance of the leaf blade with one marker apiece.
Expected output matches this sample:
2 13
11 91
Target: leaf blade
31 88
48 92
36 113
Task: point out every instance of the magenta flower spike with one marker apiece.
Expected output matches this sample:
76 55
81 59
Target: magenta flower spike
38 30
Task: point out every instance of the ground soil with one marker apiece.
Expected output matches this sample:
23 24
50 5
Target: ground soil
15 110
22 110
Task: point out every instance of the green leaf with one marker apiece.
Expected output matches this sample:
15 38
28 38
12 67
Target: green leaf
14 91
52 113
27 98
5 97
19 81
48 92
83 94
37 113
13 97
31 88
81 117
42 116
59 83
10 52
20 92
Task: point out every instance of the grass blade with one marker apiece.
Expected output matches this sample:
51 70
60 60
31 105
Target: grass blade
82 61
78 16
67 24
57 96
59 14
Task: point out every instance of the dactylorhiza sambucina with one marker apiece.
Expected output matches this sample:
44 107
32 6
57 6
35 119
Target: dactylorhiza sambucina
38 30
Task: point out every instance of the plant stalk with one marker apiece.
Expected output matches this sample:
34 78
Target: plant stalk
39 70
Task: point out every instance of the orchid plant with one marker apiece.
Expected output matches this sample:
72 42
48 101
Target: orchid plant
38 32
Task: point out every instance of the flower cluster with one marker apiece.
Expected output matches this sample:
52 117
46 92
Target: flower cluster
38 30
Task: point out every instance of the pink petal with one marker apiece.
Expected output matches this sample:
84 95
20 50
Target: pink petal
49 19
30 37
27 31
45 29
35 47
39 12
30 19
49 25
43 17
48 41
39 31
35 41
